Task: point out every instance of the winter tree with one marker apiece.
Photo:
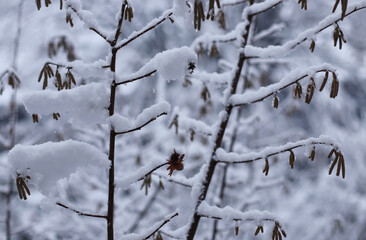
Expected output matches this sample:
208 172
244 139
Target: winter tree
188 120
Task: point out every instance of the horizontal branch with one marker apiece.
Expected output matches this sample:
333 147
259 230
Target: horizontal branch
253 96
141 126
283 50
81 213
137 78
150 26
152 170
234 158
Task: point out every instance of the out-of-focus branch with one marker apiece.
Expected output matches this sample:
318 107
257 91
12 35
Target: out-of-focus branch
141 126
81 213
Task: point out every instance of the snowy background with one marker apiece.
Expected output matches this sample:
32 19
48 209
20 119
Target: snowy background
67 159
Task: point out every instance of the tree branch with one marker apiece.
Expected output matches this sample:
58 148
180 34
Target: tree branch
141 126
81 213
269 151
137 78
146 29
161 225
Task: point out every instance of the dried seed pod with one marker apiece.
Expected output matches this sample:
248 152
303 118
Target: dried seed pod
291 159
158 237
221 19
312 46
175 123
211 10
199 14
343 166
324 81
214 52
312 154
335 87
236 230
333 163
56 116
45 80
19 188
192 134
205 93
69 20
333 151
275 101
259 229
266 167
304 4
61 4
25 186
47 2
298 90
38 2
161 185
58 82
335 5
35 118
310 91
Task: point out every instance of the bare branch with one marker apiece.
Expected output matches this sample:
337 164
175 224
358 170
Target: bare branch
173 180
137 78
81 213
141 126
152 170
144 30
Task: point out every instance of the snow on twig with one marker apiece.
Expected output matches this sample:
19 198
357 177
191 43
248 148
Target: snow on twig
225 157
283 50
253 96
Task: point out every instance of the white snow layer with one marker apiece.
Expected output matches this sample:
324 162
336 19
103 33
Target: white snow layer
50 162
82 106
251 96
121 124
172 64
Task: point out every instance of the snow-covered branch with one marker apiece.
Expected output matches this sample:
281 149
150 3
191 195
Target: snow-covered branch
150 26
134 77
283 50
79 212
121 124
232 158
146 234
228 213
253 96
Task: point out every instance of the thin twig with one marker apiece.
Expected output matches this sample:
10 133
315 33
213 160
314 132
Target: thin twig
81 213
279 89
161 225
130 39
137 78
141 126
272 154
155 168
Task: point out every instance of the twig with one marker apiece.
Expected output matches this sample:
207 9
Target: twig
272 154
137 78
81 213
155 168
161 225
141 126
279 89
141 32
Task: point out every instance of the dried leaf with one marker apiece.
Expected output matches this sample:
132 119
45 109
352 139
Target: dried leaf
236 230
312 154
35 118
259 229
266 167
275 101
312 46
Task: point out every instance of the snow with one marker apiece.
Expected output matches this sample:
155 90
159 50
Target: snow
50 162
172 64
193 124
223 156
152 112
82 106
229 213
285 49
251 96
119 123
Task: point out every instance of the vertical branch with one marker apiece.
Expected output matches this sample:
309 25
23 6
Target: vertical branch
112 133
220 134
